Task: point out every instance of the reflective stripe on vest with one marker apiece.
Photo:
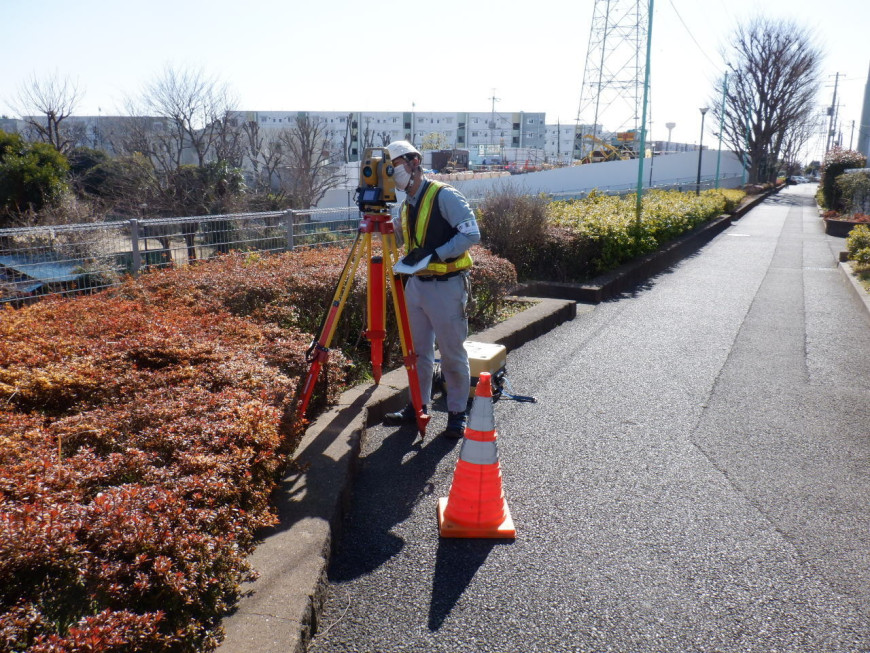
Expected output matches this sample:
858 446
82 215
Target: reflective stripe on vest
424 212
479 453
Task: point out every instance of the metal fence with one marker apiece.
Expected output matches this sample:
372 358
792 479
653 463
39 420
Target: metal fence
80 258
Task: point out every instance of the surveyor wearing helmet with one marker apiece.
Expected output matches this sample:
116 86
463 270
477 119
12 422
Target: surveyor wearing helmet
436 221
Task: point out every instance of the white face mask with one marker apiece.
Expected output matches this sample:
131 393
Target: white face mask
402 177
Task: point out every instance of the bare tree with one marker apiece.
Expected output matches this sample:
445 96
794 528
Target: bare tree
385 138
350 133
796 139
228 140
773 81
264 151
368 134
311 160
195 115
44 104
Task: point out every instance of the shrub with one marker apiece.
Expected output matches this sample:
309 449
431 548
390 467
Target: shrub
858 244
492 278
852 187
138 446
32 176
837 161
606 226
732 196
514 226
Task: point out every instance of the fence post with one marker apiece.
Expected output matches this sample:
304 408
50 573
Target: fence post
288 226
134 245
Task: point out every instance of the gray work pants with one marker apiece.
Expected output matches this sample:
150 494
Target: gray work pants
436 310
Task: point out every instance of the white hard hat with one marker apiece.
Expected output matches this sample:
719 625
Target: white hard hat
401 148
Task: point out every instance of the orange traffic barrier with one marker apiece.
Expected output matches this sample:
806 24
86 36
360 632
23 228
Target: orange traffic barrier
475 505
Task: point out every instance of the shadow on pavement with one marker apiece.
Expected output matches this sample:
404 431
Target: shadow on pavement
455 565
392 480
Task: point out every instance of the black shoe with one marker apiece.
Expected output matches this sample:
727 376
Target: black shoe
405 416
455 425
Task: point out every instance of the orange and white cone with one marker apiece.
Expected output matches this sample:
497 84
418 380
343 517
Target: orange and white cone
475 505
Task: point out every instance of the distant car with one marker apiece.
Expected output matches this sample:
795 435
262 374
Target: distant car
800 180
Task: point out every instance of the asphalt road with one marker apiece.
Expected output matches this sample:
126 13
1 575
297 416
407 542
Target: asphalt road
695 475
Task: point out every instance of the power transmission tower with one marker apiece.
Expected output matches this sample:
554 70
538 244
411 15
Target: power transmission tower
613 78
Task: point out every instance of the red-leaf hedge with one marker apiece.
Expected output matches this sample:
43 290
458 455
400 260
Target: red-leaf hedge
141 433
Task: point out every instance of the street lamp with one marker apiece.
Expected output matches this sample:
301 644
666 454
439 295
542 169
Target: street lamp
700 152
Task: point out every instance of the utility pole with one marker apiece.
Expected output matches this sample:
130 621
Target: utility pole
492 119
831 112
721 126
638 206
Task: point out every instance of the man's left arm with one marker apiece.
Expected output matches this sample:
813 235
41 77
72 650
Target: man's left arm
455 209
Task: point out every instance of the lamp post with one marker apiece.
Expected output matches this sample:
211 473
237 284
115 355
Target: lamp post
700 152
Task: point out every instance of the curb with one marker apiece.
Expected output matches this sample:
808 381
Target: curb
279 611
858 290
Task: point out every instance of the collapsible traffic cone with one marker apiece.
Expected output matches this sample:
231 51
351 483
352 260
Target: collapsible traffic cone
475 505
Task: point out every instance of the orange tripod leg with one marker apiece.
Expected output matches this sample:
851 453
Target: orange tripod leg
408 353
377 313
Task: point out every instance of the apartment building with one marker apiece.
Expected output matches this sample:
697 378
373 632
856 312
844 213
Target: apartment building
482 133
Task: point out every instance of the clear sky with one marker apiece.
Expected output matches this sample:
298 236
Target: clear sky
390 55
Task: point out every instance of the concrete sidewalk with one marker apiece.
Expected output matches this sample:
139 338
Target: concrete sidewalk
282 608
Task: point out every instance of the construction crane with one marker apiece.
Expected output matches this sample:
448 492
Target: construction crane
605 151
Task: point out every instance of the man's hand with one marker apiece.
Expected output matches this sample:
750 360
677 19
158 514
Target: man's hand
418 254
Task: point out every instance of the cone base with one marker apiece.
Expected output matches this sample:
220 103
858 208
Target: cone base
452 529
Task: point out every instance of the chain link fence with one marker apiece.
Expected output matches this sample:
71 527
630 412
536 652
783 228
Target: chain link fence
80 258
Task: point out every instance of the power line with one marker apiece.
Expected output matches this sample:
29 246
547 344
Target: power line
692 36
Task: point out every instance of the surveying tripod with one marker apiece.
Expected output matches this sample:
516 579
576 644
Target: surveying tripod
376 190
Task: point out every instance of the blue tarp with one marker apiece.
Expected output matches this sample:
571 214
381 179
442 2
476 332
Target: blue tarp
45 271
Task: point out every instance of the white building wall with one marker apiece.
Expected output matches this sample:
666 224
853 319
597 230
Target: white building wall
672 171
677 170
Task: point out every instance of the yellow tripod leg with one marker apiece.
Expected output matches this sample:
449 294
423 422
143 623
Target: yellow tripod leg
318 353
